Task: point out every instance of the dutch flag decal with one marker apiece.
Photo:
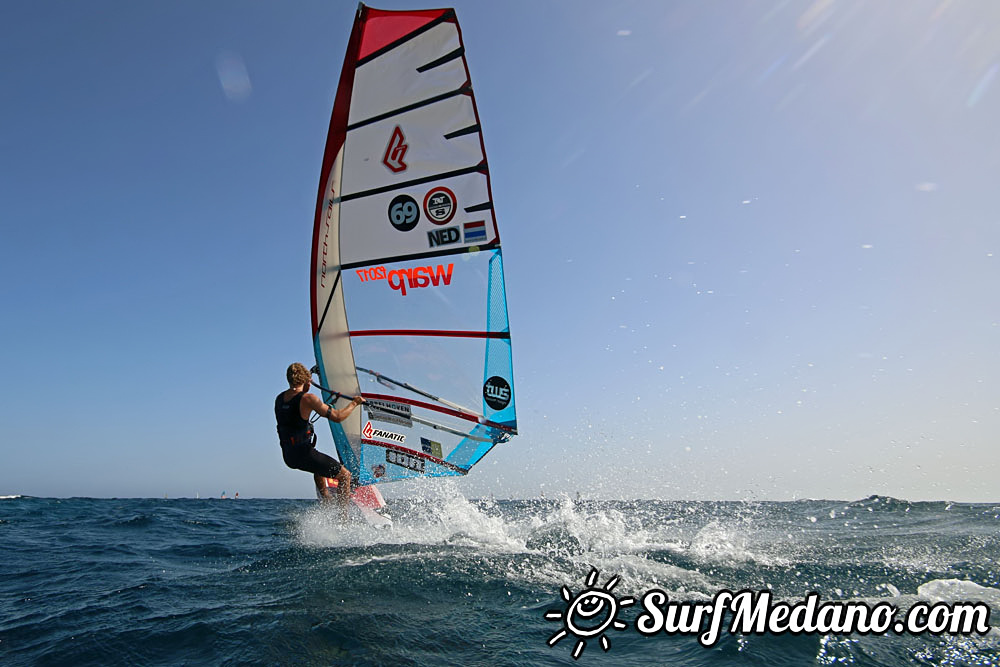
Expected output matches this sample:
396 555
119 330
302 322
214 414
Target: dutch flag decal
475 232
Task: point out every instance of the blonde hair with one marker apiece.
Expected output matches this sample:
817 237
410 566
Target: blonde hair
298 374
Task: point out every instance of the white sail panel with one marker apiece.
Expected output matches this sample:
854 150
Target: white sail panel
425 218
408 74
412 146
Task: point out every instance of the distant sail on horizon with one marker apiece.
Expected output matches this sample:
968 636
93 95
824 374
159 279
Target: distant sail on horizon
408 300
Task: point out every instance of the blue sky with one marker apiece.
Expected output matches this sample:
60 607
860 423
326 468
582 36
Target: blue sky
751 247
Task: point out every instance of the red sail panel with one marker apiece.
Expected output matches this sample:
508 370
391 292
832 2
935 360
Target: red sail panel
382 27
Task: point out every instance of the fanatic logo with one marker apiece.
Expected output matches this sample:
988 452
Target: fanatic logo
395 151
371 433
589 614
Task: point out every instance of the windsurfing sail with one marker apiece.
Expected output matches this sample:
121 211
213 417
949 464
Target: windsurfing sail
409 308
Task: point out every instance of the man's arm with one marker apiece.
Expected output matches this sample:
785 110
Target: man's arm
315 404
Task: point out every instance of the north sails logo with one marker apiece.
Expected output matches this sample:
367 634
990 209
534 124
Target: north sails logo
395 151
371 433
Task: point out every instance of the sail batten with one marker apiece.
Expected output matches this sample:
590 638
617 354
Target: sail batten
481 168
407 271
416 255
410 107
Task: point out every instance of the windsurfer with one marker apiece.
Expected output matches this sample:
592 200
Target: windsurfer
292 409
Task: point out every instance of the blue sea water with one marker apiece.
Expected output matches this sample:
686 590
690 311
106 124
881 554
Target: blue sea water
468 582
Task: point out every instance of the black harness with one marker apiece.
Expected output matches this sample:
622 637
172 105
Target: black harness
292 428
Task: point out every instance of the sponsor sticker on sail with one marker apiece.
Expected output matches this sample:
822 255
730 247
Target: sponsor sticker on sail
405 460
430 447
372 433
389 411
475 232
440 205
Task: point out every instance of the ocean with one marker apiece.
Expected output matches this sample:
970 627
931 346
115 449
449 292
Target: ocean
461 581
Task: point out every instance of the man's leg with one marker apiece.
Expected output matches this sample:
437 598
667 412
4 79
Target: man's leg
322 490
344 489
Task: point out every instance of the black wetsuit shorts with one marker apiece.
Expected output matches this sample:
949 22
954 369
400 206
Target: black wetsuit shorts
306 457
298 442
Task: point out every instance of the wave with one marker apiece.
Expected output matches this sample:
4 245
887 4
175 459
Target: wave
668 547
881 502
957 590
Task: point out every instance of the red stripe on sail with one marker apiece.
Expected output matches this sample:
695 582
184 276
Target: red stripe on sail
430 332
416 454
439 408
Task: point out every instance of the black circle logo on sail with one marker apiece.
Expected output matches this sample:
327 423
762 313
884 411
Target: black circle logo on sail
496 393
404 214
439 205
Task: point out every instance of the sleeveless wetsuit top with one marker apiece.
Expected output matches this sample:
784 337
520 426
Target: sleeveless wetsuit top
292 428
